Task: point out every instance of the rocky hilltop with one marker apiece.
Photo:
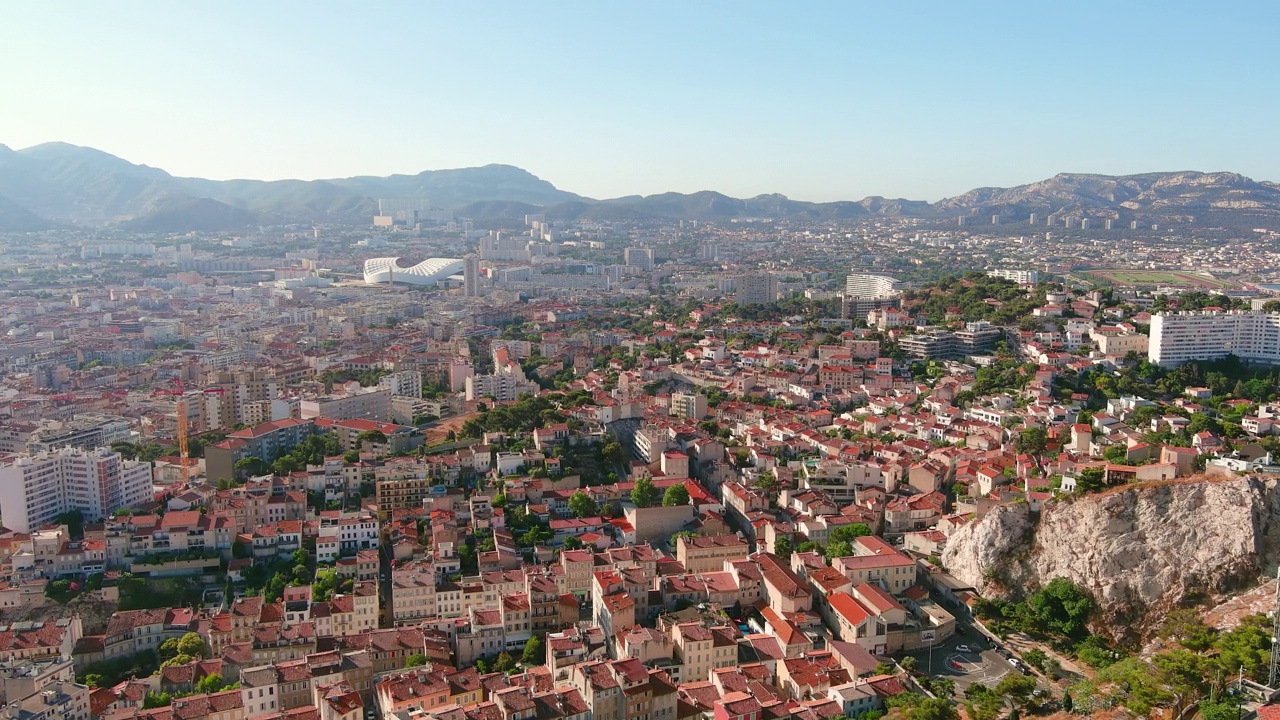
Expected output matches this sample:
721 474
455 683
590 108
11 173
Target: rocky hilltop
1138 550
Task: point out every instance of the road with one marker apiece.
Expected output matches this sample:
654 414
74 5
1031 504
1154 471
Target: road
981 664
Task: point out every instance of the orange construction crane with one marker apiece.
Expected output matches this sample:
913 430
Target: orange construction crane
184 457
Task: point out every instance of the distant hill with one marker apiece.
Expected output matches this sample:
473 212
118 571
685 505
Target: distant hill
1182 196
58 183
180 213
15 218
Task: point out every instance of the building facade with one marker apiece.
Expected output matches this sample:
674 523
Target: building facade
35 489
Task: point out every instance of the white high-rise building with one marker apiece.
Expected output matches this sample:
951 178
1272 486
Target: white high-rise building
1180 337
756 289
640 257
36 489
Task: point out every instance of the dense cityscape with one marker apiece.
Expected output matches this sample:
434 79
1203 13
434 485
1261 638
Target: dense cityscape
611 470
639 361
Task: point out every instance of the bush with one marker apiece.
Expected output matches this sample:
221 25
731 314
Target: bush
1036 658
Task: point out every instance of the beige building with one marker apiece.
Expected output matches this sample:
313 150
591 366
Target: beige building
709 553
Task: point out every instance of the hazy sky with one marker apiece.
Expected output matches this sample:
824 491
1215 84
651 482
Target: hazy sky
818 101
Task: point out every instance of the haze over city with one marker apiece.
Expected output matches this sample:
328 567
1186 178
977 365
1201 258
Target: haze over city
819 101
639 361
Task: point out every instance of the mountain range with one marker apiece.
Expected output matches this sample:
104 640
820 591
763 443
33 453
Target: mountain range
57 184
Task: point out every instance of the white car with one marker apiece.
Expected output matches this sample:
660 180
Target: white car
963 649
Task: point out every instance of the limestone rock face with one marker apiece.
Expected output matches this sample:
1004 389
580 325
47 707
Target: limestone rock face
1137 550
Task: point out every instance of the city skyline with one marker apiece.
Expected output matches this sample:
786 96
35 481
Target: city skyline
825 103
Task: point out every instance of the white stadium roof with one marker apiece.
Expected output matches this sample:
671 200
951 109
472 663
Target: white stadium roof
427 272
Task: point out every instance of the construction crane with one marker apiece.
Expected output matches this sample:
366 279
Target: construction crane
184 456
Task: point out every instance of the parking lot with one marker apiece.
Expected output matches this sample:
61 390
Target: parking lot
966 659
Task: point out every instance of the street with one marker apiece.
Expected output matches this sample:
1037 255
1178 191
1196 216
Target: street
981 664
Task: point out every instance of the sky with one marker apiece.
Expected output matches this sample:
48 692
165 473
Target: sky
815 100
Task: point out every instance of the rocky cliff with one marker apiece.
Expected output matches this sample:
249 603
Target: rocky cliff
1138 550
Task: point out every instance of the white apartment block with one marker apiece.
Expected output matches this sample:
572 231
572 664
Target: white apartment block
870 285
1022 277
1177 338
35 489
407 383
367 405
508 383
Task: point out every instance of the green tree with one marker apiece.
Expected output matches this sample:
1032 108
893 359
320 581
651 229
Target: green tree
210 684
675 495
644 494
252 466
1090 479
1036 658
837 548
415 660
178 659
571 543
942 687
59 591
74 520
782 548
1033 441
914 706
1062 608
1184 626
192 644
1016 688
168 648
533 652
909 663
372 436
581 505
154 700
768 484
1224 709
504 663
1248 646
848 533
1117 453
612 452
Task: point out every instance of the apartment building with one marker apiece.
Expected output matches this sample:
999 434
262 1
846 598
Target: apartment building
84 431
35 489
507 382
756 289
708 554
267 441
1179 337
366 404
688 405
1022 277
406 383
400 438
1117 341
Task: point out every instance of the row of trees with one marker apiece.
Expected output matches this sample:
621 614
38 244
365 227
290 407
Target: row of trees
311 451
528 413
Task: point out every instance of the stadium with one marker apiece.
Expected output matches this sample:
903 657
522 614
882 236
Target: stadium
395 270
